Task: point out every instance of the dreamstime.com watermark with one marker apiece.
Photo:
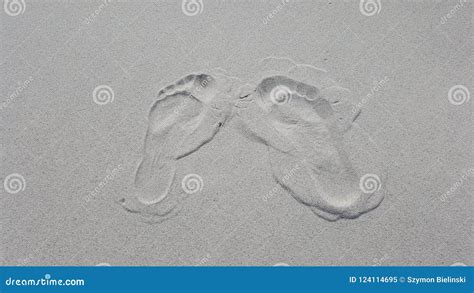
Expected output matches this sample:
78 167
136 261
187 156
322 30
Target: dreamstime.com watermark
280 95
192 7
20 88
14 7
202 85
444 19
370 183
370 7
44 281
376 262
111 175
204 260
192 183
103 94
281 264
284 179
275 11
14 183
458 95
375 88
94 14
448 194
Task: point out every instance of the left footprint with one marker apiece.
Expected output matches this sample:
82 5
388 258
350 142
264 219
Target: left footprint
186 116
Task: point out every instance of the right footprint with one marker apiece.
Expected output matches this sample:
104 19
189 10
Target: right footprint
303 127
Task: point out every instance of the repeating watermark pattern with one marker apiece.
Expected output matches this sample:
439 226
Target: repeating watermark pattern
111 175
92 16
203 260
270 194
448 194
376 88
14 7
444 19
20 88
458 95
285 180
275 11
192 183
280 95
23 262
14 183
370 7
376 262
202 85
281 264
370 183
192 7
103 94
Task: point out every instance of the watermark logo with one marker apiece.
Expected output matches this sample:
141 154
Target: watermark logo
14 7
23 261
204 260
370 7
444 19
448 194
370 183
192 183
275 11
202 86
92 16
280 95
47 280
285 180
111 175
14 183
103 94
375 89
379 261
192 7
458 95
20 88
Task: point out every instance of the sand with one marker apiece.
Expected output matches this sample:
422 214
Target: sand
266 133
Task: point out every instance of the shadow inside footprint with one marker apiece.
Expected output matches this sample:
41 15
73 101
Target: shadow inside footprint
303 127
299 113
186 116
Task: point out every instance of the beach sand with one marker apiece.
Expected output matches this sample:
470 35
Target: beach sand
205 133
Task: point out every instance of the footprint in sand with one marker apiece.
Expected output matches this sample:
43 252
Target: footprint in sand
186 116
297 111
303 126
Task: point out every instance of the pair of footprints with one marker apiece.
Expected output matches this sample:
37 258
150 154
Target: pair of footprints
301 125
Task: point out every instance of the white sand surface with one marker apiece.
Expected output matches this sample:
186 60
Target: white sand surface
236 132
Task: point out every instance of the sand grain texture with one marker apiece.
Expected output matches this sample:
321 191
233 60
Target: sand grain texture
242 133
